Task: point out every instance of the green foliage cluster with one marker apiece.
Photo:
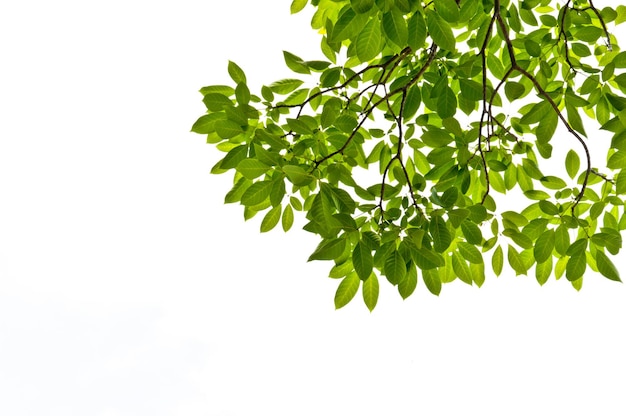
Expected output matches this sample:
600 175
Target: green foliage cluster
449 103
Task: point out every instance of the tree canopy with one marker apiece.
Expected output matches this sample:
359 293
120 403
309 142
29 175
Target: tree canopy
425 116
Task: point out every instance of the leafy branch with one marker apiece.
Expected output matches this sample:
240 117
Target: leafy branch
422 92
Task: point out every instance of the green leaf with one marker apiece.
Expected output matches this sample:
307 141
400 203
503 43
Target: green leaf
456 216
252 168
449 197
547 127
553 182
572 163
620 60
440 233
236 73
620 183
368 43
329 249
287 218
448 10
578 247
340 270
606 267
407 286
536 195
204 124
471 89
478 273
610 239
516 261
617 160
440 31
256 193
513 90
497 261
412 102
395 267
362 260
227 129
446 104
426 259
370 292
543 271
470 253
278 191
344 27
588 34
576 266
561 240
298 5
472 233
574 119
432 281
544 246
395 28
223 90
242 93
346 290
532 47
234 195
461 268
416 31
362 6
297 175
295 63
577 284
285 86
436 138
271 219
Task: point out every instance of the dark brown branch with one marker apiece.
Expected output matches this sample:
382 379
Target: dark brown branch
369 111
394 58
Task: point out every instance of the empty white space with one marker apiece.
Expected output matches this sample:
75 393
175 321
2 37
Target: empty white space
128 288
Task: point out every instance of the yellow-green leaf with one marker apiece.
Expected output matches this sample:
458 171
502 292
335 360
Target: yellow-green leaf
271 219
370 291
440 31
346 290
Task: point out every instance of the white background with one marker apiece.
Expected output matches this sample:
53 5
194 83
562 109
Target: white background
127 288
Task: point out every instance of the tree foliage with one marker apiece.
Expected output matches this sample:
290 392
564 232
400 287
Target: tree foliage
399 146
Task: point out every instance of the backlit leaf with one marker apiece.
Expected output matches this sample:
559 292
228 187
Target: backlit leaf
497 261
236 73
256 193
572 163
297 5
329 249
516 261
432 281
346 290
606 266
285 86
395 267
370 291
395 27
544 246
440 31
271 219
368 43
440 233
576 266
448 10
287 218
470 253
362 260
407 286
